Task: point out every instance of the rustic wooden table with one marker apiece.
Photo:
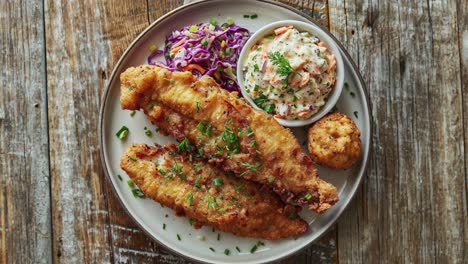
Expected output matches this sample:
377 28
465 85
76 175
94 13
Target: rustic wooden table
57 206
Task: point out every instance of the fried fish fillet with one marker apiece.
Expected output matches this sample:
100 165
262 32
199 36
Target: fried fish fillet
227 131
205 194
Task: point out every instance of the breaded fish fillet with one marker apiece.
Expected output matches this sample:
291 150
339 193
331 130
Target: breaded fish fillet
227 131
205 194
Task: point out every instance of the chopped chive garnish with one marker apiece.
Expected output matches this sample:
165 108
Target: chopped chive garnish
269 108
198 107
132 113
164 226
246 16
254 16
162 172
352 94
218 182
346 85
148 133
130 183
190 198
120 177
254 143
122 133
240 186
191 221
197 184
212 249
238 249
150 106
250 166
178 237
138 193
219 237
308 196
356 114
253 249
292 215
133 159
227 252
222 210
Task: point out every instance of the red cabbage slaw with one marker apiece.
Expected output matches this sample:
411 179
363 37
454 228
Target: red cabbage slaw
205 49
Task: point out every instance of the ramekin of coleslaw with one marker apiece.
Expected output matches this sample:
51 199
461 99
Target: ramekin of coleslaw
291 70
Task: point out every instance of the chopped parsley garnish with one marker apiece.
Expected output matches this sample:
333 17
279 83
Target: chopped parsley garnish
308 196
122 133
184 145
250 132
190 198
218 182
227 252
132 113
148 133
356 114
256 68
197 184
269 108
292 215
133 159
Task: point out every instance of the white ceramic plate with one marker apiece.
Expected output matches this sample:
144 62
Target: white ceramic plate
150 215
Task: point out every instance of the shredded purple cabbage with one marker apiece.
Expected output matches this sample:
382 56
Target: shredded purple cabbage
215 48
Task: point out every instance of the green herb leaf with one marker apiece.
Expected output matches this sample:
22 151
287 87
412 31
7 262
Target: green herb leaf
356 114
148 133
308 196
184 145
138 193
227 252
218 182
292 215
122 133
190 198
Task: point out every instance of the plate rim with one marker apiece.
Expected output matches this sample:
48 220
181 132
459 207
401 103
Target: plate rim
189 5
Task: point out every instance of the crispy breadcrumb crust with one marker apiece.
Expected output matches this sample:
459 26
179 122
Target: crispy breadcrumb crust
177 102
187 185
334 141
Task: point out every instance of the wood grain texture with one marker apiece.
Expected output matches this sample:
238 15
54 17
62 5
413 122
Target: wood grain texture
25 223
57 56
409 208
76 53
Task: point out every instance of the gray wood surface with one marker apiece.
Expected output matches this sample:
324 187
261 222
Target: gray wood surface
56 205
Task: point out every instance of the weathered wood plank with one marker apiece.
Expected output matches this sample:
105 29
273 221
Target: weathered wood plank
407 209
76 54
317 9
24 164
122 24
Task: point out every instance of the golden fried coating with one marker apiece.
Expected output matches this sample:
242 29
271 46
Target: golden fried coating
227 131
334 141
205 194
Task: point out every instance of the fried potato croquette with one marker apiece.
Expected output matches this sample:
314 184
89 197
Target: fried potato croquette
334 141
227 132
208 196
